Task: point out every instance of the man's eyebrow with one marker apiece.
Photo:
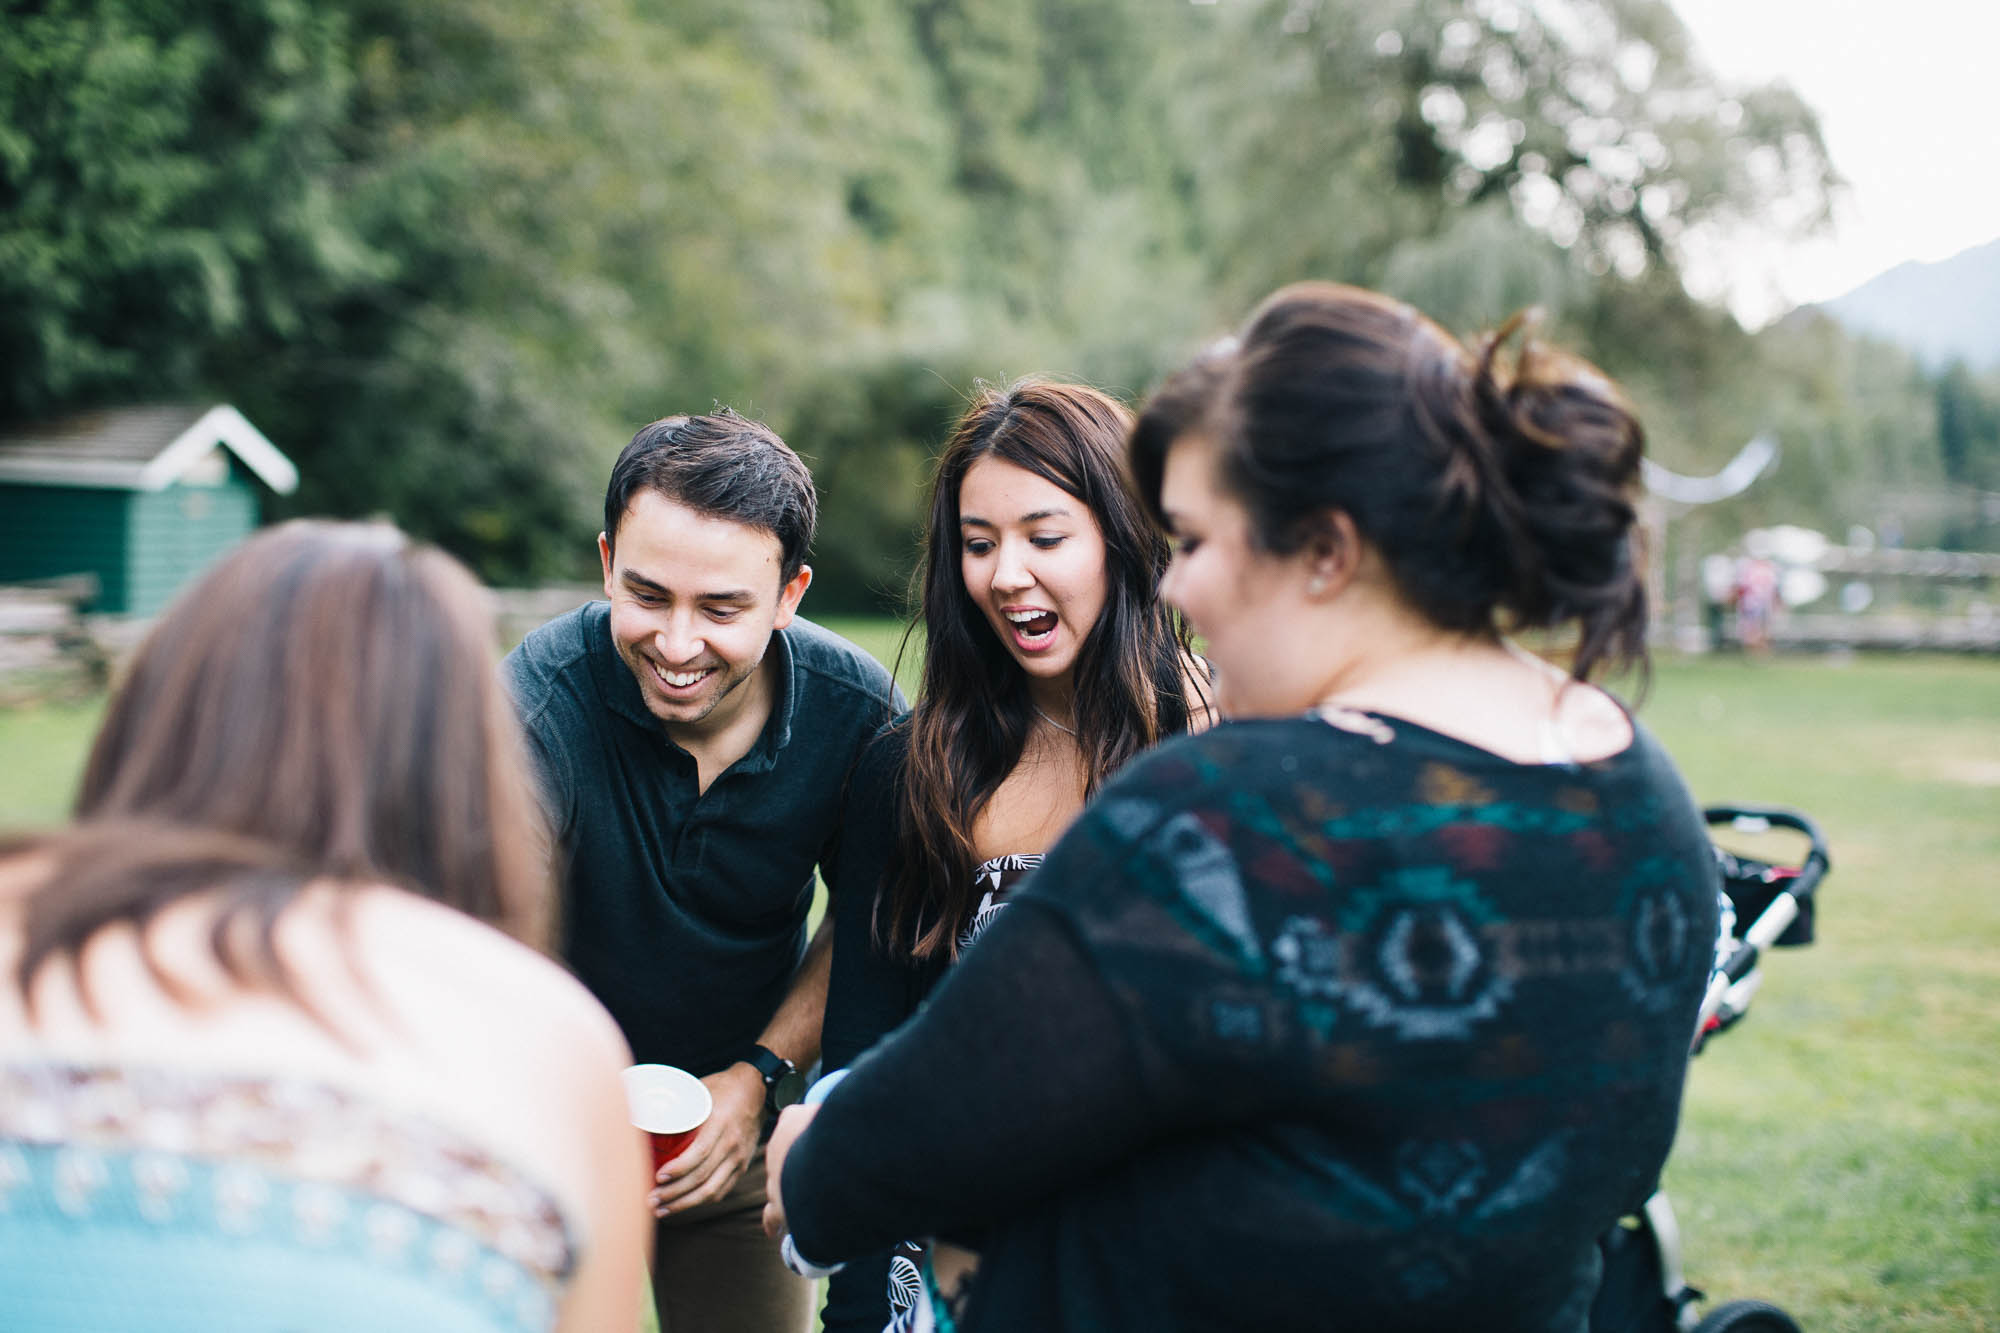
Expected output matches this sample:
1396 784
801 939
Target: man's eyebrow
637 580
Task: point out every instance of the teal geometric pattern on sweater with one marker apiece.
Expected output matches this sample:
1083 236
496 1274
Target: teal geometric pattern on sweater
330 1217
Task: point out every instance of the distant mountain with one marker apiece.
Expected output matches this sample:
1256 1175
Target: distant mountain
1942 312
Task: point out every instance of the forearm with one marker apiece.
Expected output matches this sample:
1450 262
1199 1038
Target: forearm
1018 1077
794 1031
728 1138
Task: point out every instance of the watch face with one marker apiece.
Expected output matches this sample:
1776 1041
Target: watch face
787 1088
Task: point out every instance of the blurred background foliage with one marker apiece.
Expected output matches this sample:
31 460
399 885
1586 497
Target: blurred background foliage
449 256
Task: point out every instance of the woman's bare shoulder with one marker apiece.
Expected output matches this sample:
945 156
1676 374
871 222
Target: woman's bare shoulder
1595 724
23 870
463 970
494 1036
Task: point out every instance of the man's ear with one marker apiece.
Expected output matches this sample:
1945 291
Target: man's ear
789 595
604 555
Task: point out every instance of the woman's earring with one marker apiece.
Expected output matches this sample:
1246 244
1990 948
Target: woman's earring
1316 585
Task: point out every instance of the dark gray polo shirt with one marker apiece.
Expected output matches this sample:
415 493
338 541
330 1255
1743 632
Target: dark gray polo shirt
685 911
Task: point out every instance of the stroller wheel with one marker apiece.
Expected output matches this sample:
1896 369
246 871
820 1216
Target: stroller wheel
1747 1317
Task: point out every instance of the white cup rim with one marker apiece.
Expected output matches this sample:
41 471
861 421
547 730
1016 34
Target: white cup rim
664 1100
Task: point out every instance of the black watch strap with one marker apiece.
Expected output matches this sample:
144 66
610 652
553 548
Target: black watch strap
769 1064
783 1084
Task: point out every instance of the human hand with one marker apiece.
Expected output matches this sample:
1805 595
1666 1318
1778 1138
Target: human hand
721 1150
792 1122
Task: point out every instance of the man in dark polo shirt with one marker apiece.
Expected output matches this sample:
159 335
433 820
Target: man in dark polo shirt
694 737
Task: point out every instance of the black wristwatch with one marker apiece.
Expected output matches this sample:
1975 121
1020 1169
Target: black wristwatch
783 1083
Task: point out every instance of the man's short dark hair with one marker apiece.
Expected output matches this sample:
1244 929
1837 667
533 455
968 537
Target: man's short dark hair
725 466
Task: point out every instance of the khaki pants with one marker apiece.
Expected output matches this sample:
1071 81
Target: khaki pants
715 1271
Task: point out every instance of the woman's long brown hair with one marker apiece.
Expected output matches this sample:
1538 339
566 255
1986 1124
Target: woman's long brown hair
971 721
321 706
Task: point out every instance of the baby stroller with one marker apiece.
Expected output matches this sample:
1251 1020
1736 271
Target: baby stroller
1766 906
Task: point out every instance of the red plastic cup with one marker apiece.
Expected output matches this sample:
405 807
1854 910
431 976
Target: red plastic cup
669 1104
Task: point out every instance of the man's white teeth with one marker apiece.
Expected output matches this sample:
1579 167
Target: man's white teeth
681 679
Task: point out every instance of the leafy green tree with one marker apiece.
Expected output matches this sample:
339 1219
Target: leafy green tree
451 255
326 213
1351 129
1968 411
165 185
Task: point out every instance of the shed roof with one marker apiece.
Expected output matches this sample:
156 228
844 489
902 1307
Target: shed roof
138 448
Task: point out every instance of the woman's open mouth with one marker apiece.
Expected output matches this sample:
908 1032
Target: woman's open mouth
1033 630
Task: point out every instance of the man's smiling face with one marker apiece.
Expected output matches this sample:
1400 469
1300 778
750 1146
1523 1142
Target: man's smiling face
694 601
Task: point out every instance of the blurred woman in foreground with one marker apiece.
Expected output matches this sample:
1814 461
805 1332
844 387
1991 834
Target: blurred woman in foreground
1370 1010
277 1046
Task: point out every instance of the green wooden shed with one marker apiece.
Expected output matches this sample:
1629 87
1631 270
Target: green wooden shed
144 498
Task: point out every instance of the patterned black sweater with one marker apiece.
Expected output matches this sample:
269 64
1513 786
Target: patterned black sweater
1308 1026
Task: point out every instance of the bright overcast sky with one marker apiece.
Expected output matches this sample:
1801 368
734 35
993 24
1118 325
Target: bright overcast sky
1906 94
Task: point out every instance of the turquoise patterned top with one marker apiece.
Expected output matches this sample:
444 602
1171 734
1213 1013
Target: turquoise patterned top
178 1202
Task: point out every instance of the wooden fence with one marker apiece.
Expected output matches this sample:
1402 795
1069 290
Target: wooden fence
51 648
47 647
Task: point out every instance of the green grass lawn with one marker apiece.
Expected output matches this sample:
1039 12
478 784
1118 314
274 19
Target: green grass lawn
41 757
1840 1153
1841 1149
883 638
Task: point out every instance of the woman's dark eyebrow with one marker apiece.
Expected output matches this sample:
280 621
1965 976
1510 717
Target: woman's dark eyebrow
970 520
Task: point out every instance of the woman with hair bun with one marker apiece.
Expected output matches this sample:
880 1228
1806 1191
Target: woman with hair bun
1370 1008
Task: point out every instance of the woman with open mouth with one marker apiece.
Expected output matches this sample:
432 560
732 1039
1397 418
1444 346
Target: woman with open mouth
1048 662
